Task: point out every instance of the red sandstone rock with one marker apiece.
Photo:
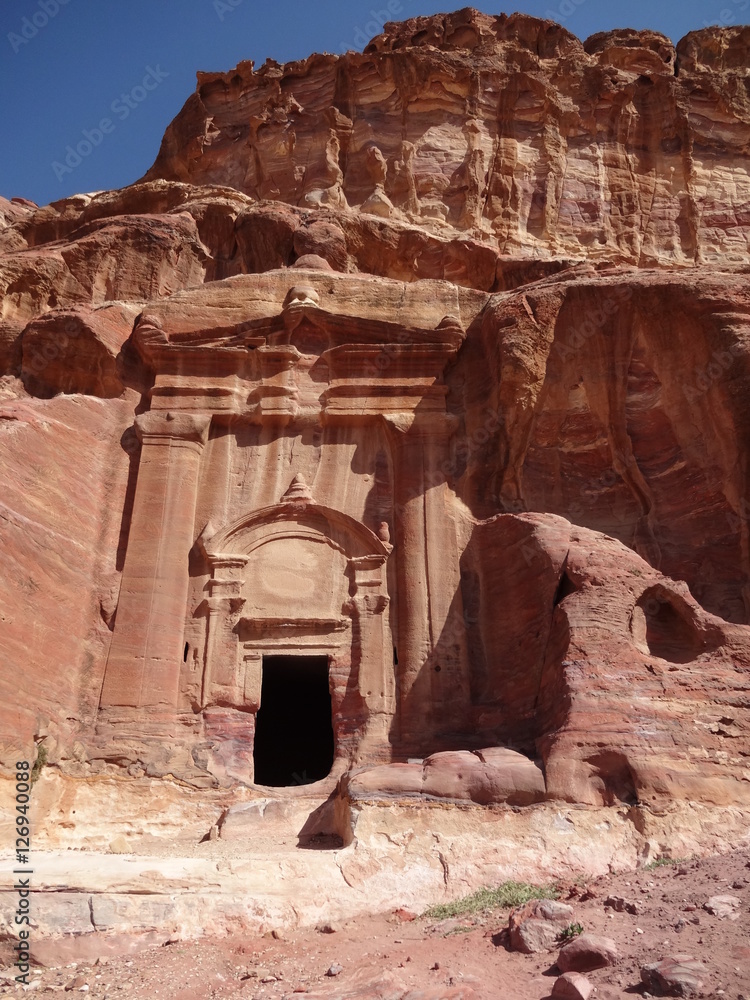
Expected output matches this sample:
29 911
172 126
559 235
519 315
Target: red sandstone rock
412 130
126 258
572 986
64 487
492 775
385 780
676 976
537 925
76 351
487 776
586 953
518 405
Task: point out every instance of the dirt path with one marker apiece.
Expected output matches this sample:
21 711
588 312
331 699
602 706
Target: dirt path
394 957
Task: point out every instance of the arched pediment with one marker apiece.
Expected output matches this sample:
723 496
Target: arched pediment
296 520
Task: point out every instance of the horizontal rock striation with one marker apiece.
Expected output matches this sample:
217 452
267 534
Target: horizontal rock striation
505 129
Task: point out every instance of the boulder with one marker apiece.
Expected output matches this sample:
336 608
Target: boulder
586 953
675 976
723 907
537 925
572 986
488 776
76 350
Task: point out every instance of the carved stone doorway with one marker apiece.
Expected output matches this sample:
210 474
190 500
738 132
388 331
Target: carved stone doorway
294 742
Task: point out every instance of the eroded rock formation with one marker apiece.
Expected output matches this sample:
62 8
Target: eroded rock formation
506 129
424 372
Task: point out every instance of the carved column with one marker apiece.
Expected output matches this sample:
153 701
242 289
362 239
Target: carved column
221 680
449 670
375 679
143 668
433 673
413 644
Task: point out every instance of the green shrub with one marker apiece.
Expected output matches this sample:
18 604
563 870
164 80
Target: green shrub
505 896
660 862
41 759
570 932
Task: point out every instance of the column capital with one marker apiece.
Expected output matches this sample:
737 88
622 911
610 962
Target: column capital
419 426
158 424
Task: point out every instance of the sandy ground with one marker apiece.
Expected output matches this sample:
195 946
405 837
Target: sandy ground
399 957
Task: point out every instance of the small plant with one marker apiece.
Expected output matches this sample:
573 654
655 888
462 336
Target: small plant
570 932
41 759
660 862
505 896
458 930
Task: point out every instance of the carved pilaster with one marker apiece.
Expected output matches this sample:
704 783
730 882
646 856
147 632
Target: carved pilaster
221 665
375 681
433 681
143 667
173 429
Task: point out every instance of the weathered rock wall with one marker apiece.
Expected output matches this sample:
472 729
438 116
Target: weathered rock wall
616 400
508 129
577 215
64 491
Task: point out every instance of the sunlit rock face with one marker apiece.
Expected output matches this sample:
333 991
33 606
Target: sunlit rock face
507 130
389 438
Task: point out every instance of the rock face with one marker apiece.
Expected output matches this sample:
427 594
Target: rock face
507 129
387 441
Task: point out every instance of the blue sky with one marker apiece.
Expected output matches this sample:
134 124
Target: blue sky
68 65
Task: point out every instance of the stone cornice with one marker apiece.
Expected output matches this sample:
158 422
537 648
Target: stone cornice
310 353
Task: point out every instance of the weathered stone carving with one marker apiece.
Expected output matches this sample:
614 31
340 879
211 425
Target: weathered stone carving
300 576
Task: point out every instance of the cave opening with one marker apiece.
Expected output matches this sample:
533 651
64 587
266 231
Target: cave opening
668 635
294 728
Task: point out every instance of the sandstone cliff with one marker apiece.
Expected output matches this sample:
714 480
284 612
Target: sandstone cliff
506 130
564 226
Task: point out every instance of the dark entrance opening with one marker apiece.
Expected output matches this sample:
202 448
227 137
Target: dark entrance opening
293 728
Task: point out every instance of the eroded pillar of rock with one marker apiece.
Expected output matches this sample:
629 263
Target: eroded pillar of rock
143 668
